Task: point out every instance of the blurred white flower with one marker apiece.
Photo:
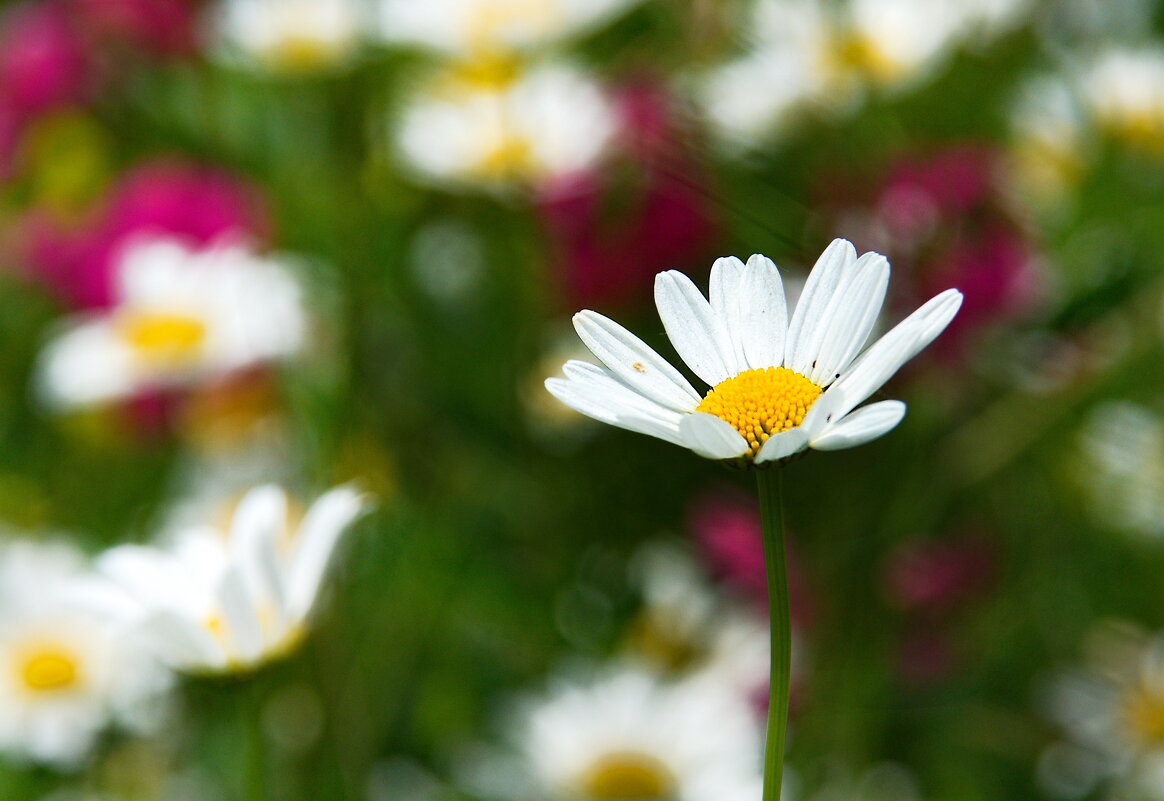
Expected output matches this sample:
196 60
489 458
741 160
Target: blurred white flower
493 123
804 54
1122 470
290 35
1112 713
229 598
629 736
69 664
471 27
887 781
687 629
779 383
181 316
1124 90
1049 137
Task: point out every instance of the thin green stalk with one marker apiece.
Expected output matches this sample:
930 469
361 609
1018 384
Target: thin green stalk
250 708
772 523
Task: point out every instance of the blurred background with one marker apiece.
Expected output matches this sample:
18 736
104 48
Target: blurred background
429 191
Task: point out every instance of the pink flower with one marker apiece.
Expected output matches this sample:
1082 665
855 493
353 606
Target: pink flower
612 231
726 527
170 196
160 27
934 578
43 61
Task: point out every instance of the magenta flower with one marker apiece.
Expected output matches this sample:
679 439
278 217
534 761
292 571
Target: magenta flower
166 197
43 61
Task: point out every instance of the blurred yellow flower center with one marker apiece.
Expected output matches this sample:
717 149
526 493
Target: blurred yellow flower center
1143 711
512 157
859 52
628 776
163 339
762 402
487 72
49 670
302 52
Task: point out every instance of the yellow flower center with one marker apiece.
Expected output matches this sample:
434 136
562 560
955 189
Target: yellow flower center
487 72
511 158
302 52
49 669
762 402
859 52
163 340
1143 713
628 776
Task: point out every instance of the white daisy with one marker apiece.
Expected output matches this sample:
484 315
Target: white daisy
493 123
1050 139
466 27
629 736
1124 89
69 668
1112 712
1122 469
686 629
780 383
181 316
231 598
290 35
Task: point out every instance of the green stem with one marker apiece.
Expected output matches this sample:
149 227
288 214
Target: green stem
772 523
250 707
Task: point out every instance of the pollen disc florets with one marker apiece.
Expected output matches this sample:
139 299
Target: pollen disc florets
762 402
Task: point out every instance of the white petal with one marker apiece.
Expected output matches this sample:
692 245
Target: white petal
595 392
724 293
259 522
763 322
697 334
711 437
850 317
804 330
783 445
634 363
181 642
322 526
886 356
856 428
243 628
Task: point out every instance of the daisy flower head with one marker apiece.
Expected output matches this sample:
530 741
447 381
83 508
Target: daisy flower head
230 597
290 36
69 666
494 123
181 315
779 382
628 735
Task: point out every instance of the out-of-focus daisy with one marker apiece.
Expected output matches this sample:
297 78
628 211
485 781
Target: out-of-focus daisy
1049 134
494 123
68 667
628 736
779 383
803 53
291 35
1122 470
466 27
1124 89
1112 713
224 598
887 781
686 629
181 316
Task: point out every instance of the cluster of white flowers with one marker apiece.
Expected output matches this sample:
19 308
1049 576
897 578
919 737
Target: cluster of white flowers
807 53
181 317
84 647
1111 710
674 716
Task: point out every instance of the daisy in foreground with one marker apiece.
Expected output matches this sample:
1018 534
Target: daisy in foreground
227 599
779 383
